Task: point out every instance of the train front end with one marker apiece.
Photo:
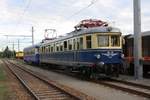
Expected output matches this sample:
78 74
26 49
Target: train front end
108 56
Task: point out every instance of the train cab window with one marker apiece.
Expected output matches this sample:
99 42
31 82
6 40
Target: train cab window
103 40
115 40
88 41
65 45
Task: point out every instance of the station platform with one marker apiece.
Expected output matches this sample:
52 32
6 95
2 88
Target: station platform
143 81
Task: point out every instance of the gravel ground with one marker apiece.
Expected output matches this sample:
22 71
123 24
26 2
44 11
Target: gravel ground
16 90
132 79
100 92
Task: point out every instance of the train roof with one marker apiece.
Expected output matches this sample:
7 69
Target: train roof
19 52
34 46
85 31
146 33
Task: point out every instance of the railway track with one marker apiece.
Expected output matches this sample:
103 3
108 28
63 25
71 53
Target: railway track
43 89
130 87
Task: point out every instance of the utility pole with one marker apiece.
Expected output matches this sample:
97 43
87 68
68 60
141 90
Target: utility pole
18 46
13 49
138 67
32 35
13 46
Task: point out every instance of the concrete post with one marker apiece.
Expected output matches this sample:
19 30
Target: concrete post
138 68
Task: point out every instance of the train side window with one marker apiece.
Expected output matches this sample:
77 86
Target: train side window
74 44
81 43
78 43
49 48
61 47
88 41
52 49
44 49
41 49
65 45
70 44
57 48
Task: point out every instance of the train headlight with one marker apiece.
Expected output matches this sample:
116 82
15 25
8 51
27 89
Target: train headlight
98 56
122 56
101 64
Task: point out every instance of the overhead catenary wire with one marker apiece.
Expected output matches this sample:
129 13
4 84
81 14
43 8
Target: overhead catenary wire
91 3
23 13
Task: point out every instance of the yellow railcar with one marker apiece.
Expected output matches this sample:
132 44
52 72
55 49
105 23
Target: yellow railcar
19 55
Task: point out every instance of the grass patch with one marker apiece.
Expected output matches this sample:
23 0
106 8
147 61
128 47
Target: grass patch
3 87
3 91
2 74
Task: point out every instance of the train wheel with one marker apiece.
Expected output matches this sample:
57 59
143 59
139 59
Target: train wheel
86 72
116 70
108 70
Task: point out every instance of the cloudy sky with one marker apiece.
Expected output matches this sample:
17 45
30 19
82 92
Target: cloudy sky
18 16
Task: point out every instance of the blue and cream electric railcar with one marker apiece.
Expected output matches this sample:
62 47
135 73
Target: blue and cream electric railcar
31 54
95 50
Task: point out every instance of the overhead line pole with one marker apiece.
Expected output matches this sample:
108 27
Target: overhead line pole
138 68
18 46
13 49
32 35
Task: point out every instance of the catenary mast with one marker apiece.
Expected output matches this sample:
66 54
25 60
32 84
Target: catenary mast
138 68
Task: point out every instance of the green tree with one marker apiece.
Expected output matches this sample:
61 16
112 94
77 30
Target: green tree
8 53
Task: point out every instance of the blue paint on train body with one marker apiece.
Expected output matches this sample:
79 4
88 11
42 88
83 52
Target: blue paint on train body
34 58
31 57
107 56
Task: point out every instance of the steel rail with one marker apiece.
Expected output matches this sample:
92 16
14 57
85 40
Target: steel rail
22 82
76 95
129 90
105 83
